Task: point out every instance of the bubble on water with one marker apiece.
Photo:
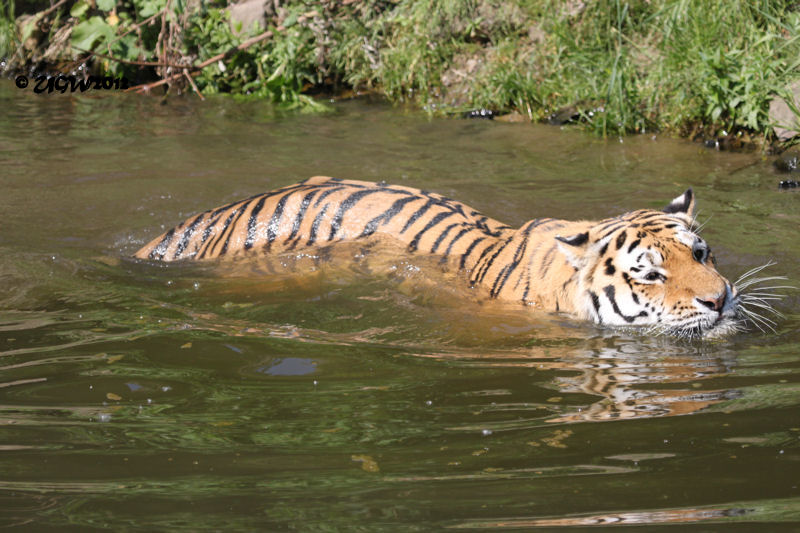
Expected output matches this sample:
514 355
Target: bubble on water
104 417
428 403
486 432
196 285
166 388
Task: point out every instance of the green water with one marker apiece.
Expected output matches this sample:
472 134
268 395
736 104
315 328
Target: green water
142 397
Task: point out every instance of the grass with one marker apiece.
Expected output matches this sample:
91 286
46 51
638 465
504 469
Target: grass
680 66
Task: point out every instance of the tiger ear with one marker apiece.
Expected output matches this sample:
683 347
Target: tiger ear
682 204
579 239
575 248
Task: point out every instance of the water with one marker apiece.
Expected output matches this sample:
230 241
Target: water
143 397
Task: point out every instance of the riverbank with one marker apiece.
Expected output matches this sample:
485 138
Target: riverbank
687 68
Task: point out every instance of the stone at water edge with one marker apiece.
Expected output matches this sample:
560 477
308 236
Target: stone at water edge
787 123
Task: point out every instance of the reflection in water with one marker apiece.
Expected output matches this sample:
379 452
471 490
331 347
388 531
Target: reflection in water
671 516
629 384
634 378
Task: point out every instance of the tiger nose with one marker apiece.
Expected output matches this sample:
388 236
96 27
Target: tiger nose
715 304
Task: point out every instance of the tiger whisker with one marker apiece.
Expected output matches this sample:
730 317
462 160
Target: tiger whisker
754 321
767 307
763 299
775 287
770 295
754 271
753 281
761 318
699 227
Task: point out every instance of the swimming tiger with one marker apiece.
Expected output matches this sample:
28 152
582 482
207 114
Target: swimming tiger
643 268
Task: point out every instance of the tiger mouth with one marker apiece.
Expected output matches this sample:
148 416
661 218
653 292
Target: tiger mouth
729 321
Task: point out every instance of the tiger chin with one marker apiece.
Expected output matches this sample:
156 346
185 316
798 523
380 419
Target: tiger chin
647 268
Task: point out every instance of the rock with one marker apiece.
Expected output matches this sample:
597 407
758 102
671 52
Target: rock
787 162
786 122
251 12
565 115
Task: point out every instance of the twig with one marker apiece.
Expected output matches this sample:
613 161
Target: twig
145 87
43 14
191 82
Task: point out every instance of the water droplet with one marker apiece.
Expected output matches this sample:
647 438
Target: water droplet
104 417
486 432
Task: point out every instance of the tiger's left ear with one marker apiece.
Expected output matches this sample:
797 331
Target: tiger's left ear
575 248
580 250
682 204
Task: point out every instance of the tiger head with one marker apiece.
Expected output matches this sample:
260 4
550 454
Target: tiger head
651 268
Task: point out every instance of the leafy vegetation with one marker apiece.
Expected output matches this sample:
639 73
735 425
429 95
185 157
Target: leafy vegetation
623 66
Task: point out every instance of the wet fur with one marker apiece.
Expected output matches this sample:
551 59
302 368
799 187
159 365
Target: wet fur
594 270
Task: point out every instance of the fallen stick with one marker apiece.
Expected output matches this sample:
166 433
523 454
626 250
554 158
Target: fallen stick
146 87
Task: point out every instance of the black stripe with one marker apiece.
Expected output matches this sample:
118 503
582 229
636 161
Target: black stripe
212 243
327 193
418 213
610 267
610 294
547 260
251 224
608 224
502 278
457 237
614 228
646 215
621 239
596 304
412 246
206 234
298 220
275 220
442 236
242 211
187 235
634 244
348 204
161 248
484 269
469 250
315 225
386 217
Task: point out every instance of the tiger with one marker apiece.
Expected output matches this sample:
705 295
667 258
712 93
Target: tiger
645 268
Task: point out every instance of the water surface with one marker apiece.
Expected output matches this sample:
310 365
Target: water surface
141 396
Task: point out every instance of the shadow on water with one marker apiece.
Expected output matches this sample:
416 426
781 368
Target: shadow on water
139 396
